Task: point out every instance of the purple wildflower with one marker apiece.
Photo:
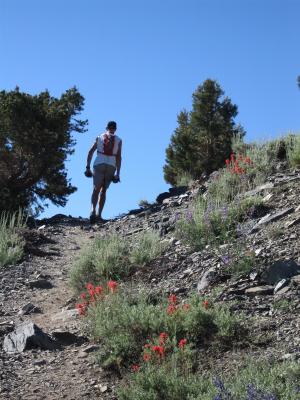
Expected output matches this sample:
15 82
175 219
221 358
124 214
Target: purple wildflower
223 394
189 216
225 259
255 394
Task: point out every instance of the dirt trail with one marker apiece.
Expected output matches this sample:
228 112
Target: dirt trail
69 373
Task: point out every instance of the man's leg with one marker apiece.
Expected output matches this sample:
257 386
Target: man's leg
102 201
94 200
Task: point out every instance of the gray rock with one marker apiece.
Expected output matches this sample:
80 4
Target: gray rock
40 284
27 336
259 290
281 284
267 219
207 278
284 269
29 308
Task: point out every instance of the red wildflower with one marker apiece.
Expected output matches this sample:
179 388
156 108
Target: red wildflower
172 299
182 343
186 307
83 296
81 308
227 162
92 292
98 289
135 368
89 286
171 309
205 304
146 357
112 285
232 157
159 350
163 337
147 345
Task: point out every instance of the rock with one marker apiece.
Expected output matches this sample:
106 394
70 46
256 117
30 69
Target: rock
66 338
40 284
29 308
293 222
275 217
281 284
296 279
27 336
259 290
91 348
284 269
207 278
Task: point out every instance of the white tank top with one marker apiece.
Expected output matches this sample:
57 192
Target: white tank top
107 149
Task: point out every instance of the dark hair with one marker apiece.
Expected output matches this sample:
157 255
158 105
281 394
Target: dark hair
111 124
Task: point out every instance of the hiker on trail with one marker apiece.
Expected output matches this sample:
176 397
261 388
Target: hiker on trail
106 167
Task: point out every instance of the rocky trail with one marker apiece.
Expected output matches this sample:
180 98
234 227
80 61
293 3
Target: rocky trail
37 290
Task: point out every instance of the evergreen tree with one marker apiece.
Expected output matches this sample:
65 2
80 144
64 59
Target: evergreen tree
202 141
35 140
179 153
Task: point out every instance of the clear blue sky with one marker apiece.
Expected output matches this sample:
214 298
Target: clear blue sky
138 62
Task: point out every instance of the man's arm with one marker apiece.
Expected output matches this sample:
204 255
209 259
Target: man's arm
119 160
90 155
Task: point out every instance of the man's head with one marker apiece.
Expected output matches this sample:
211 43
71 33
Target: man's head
111 127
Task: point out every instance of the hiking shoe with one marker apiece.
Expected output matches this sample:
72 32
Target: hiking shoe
92 218
101 220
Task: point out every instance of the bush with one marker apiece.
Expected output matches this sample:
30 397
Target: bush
124 324
212 222
11 244
147 247
106 258
294 151
252 381
113 257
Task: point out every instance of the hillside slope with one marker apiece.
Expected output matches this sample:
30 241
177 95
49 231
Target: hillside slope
267 292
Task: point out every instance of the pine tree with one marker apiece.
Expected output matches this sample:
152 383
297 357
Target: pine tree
35 140
203 138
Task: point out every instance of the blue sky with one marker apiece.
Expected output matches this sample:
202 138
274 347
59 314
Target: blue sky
138 62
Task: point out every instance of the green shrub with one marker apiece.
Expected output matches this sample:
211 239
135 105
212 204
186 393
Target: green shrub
251 380
106 258
124 324
11 243
147 247
212 222
113 257
294 151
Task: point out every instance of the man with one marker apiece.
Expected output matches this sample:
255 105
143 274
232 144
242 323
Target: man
106 167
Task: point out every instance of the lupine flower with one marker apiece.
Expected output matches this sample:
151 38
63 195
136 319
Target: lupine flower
135 368
182 343
255 394
225 259
189 216
112 285
223 394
